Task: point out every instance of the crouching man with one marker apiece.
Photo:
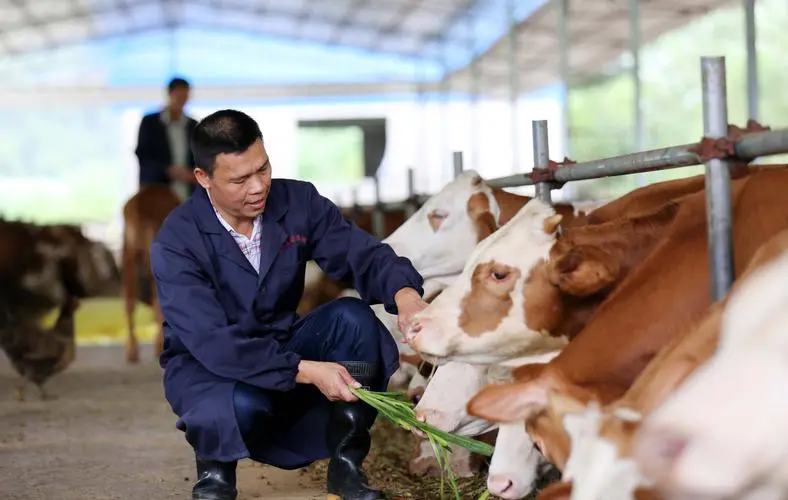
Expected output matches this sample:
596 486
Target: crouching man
244 374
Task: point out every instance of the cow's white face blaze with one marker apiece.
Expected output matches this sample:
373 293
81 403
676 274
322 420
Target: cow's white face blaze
515 463
726 427
480 318
594 466
439 237
444 400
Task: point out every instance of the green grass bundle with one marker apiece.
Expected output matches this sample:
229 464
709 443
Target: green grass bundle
395 407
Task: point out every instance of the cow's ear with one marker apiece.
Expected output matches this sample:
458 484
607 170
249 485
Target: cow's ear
562 403
584 270
485 225
481 217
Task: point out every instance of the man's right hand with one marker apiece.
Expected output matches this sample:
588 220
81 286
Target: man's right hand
332 379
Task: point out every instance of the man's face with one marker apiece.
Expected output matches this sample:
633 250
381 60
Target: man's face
178 98
240 182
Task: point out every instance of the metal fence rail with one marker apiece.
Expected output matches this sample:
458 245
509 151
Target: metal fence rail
747 148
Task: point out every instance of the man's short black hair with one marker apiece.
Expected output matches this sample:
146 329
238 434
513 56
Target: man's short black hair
176 83
225 131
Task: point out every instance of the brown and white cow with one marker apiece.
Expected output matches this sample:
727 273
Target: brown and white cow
722 433
665 294
531 286
600 464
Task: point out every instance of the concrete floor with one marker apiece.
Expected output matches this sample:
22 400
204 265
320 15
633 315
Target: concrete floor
110 434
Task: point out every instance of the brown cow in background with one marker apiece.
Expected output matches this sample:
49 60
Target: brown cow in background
41 268
143 215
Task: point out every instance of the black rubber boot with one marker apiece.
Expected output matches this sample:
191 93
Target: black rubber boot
215 481
349 441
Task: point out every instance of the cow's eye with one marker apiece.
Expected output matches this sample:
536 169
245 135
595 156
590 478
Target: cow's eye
500 275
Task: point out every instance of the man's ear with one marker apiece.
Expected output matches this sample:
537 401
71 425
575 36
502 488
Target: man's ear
583 271
203 179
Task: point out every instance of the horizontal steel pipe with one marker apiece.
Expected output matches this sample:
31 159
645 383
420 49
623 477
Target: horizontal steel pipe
748 147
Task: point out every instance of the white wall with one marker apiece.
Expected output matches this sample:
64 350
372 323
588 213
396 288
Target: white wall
420 135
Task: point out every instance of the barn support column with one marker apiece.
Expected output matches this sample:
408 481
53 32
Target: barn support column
444 110
718 178
752 60
563 70
474 91
637 104
514 85
421 119
634 48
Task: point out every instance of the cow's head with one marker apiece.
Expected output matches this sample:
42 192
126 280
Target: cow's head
507 301
725 429
439 237
517 465
442 405
533 284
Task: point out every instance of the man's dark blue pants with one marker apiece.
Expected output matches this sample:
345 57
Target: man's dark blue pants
291 426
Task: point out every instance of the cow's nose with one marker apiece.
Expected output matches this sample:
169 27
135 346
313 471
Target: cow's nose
414 395
499 485
413 332
659 449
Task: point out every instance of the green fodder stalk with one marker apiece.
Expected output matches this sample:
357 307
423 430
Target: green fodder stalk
395 407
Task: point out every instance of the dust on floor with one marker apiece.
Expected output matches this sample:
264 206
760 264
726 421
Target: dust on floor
109 434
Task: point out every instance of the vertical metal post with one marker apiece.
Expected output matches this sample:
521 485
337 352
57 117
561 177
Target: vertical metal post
541 156
719 212
514 84
377 212
563 69
457 162
752 60
410 206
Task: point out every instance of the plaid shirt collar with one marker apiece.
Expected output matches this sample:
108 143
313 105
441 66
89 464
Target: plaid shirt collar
251 247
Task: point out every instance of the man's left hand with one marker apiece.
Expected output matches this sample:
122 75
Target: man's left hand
409 302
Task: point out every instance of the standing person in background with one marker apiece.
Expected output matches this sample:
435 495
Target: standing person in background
163 143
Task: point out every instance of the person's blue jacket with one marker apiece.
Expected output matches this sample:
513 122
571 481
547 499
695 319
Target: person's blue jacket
224 323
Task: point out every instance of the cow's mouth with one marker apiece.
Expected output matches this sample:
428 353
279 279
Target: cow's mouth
433 359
